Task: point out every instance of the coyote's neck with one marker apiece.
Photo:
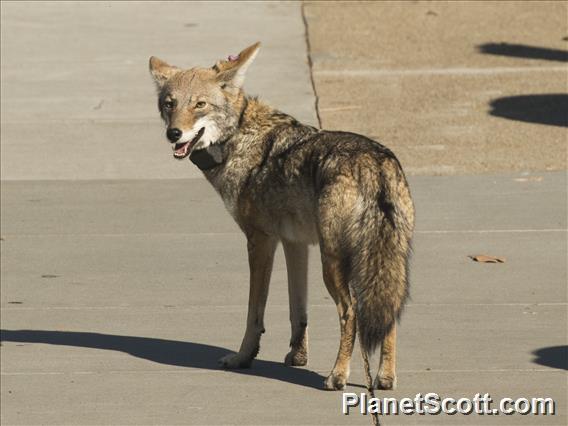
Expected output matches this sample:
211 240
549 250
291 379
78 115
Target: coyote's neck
259 118
247 150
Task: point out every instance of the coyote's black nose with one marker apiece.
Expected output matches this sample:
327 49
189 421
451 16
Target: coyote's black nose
174 134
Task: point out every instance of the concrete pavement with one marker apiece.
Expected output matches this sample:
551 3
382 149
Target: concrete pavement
111 315
440 81
119 318
76 86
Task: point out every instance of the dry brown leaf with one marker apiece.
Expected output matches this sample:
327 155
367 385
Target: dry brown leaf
483 258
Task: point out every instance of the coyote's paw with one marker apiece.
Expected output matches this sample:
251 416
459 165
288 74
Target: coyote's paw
335 382
235 361
296 358
385 382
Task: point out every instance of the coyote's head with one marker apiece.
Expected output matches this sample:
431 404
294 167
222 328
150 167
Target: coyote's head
201 106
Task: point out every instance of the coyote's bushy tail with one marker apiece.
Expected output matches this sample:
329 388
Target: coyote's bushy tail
379 270
380 236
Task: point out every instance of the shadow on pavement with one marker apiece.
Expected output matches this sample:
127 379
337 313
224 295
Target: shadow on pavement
170 352
551 109
552 356
523 51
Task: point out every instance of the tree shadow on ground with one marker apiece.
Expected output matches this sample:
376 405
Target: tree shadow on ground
550 109
552 356
523 51
169 352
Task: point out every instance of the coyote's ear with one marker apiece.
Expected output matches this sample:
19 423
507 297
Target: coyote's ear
161 71
231 73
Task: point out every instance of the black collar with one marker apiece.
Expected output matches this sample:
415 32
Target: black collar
209 157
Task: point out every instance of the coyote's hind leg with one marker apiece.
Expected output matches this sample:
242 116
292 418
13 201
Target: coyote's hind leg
386 377
339 291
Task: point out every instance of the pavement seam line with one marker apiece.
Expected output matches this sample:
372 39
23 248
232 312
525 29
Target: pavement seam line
199 371
310 63
275 306
224 234
437 71
491 231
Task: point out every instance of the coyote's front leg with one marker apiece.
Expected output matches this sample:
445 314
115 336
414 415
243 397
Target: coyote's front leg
261 249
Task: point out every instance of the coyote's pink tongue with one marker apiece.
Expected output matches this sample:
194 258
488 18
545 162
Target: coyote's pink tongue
182 150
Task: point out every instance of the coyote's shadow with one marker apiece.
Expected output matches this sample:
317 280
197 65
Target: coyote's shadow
170 352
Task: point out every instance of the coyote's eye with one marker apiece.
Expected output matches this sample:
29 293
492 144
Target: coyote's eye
200 104
169 104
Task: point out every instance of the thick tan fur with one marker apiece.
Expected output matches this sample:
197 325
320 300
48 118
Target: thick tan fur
283 181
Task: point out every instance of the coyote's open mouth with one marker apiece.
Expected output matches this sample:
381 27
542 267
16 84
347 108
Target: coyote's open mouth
182 150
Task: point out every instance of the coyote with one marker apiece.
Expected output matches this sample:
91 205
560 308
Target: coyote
283 181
